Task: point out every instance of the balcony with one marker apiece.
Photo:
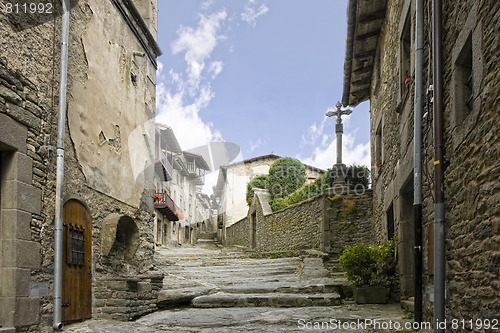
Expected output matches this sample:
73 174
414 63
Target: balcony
165 205
163 166
195 173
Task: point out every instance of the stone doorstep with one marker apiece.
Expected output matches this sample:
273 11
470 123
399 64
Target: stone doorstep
222 300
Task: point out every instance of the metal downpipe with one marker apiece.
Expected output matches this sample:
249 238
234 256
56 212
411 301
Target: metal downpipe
439 208
417 160
61 126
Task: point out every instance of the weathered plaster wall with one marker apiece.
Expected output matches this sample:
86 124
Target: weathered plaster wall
106 106
234 195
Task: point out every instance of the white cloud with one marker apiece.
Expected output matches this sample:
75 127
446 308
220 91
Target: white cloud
313 133
324 153
198 45
207 4
252 12
182 96
215 68
159 72
325 156
255 144
191 131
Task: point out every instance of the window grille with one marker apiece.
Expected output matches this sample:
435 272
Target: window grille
76 245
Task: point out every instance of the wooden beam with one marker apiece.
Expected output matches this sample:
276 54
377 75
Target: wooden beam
363 55
375 16
368 35
363 70
362 82
361 93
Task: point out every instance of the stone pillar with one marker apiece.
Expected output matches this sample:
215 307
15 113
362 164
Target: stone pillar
339 169
19 301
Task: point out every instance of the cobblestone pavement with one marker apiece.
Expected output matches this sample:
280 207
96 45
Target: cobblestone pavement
209 288
341 318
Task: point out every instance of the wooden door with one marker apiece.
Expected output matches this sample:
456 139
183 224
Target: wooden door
77 262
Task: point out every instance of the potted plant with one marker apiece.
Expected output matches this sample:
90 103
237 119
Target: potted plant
372 270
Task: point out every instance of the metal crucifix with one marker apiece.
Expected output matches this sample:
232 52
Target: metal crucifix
339 127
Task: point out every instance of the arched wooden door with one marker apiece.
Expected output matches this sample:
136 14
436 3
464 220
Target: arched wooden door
77 262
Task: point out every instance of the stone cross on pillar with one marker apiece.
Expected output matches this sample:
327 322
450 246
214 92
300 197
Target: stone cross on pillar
339 127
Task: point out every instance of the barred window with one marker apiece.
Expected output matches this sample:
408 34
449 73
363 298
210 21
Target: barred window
76 245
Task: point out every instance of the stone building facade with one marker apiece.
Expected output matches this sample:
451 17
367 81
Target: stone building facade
108 200
326 222
380 66
179 177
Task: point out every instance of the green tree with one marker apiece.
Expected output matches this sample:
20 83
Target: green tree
286 175
257 182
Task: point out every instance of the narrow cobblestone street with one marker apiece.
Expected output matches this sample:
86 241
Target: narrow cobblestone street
210 288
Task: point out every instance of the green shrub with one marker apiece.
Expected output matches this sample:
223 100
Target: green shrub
257 182
369 264
358 176
303 193
286 175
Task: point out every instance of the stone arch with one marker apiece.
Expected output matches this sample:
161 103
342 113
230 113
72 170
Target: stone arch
76 197
119 236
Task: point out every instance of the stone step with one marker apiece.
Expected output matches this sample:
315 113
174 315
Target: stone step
280 287
225 300
211 236
205 240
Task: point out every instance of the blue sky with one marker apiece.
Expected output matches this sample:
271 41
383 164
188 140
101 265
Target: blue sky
258 73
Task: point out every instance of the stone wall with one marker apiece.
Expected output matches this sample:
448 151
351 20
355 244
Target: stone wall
348 220
239 233
126 298
232 183
23 177
292 228
325 222
28 126
472 187
473 178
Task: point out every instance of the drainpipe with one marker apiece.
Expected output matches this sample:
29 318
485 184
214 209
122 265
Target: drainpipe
439 209
417 160
58 223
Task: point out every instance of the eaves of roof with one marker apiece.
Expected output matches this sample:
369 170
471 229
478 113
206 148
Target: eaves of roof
364 24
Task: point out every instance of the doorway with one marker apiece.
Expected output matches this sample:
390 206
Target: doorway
406 240
77 262
253 222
